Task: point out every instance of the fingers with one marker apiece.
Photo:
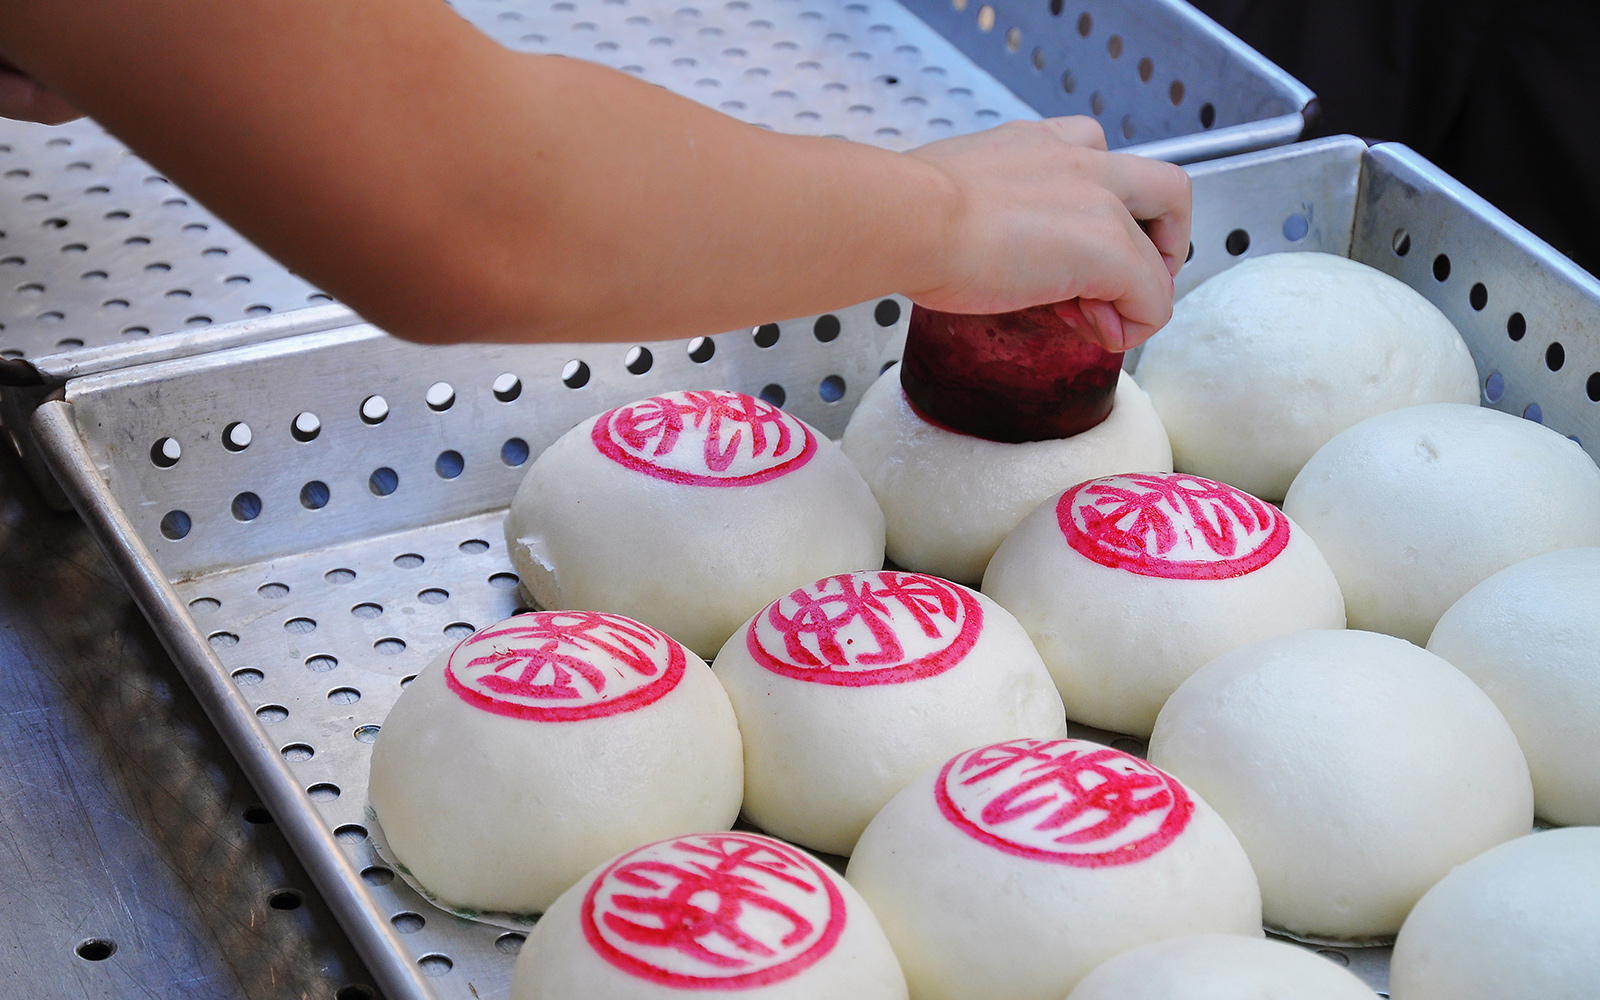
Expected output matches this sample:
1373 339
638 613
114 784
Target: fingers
22 98
1078 130
1158 194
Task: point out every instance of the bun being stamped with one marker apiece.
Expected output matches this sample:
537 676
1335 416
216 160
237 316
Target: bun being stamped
1128 584
542 744
709 913
849 687
689 511
1013 869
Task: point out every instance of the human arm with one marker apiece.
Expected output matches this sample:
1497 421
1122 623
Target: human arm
450 189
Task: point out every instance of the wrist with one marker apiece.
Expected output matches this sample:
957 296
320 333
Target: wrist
937 214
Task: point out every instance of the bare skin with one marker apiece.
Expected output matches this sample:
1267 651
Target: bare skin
450 189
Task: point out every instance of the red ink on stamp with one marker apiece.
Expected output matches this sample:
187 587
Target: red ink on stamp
860 629
705 437
713 911
562 666
1067 802
1171 525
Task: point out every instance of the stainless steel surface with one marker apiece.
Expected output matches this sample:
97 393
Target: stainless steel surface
137 860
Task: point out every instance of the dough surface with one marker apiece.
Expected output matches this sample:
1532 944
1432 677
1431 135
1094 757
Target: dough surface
950 498
689 511
1265 362
1530 637
1414 508
1220 967
543 744
1355 768
1012 870
1129 584
713 915
848 689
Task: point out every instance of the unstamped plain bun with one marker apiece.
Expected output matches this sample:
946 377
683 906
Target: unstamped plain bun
689 511
1220 967
1415 507
951 498
1265 362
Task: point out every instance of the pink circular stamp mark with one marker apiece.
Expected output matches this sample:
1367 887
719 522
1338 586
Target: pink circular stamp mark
562 666
1067 802
713 911
860 629
1171 525
705 437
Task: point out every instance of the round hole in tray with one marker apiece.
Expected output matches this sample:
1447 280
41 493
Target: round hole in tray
1478 297
433 595
1127 126
374 410
273 591
1208 115
1147 69
1555 356
344 696
1336 957
459 630
1237 242
503 581
135 331
305 426
1069 83
246 506
1494 387
237 279
1038 58
1013 39
1190 256
1175 93
408 921
300 625
383 481
986 18
701 350
377 875
405 681
1097 102
68 344
575 375
248 676
315 495
237 436
351 833
774 394
114 304
507 387
826 328
367 609
222 640
886 312
1441 267
435 964
474 546
1534 412
1085 24
259 309
96 949
449 464
765 335
1114 46
1056 7
256 814
340 575
638 360
355 991
298 752
390 645
1592 387
509 943
323 791
514 452
440 396
321 663
198 321
887 365
1295 228
1516 326
271 714
366 734
164 454
832 389
408 560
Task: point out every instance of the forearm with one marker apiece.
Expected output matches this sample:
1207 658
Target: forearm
449 189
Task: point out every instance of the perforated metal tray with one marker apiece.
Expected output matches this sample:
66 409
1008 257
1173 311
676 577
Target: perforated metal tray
299 579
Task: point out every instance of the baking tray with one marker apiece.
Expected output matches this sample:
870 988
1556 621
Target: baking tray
297 599
105 263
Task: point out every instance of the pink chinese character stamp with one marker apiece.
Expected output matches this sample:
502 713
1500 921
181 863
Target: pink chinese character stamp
1067 802
858 629
1171 525
561 666
721 911
705 437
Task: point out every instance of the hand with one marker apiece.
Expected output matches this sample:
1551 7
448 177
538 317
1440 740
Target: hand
1049 216
26 99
